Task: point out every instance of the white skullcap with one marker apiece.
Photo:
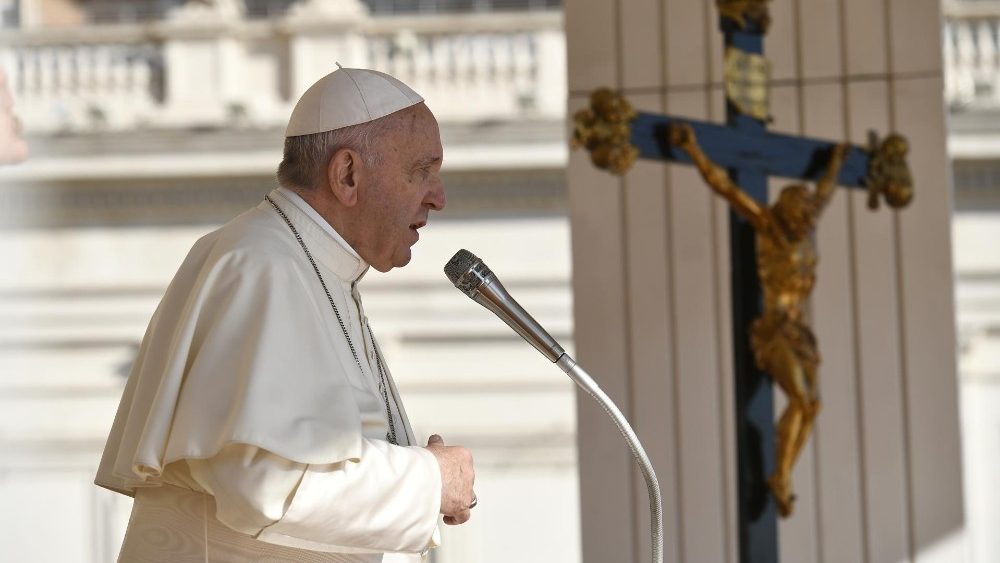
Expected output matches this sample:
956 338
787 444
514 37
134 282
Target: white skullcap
348 96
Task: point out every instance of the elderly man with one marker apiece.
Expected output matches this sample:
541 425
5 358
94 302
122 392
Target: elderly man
260 422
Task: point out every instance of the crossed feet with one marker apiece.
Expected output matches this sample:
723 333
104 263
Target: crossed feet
781 488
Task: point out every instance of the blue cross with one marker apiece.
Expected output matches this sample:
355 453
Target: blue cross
616 135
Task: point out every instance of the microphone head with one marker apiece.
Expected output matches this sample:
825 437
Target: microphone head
459 264
466 271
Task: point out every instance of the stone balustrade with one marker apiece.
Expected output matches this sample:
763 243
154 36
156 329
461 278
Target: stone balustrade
215 70
972 55
207 70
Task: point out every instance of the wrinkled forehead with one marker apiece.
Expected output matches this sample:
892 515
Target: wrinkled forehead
418 133
420 121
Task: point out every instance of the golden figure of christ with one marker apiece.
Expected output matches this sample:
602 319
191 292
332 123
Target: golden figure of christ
783 344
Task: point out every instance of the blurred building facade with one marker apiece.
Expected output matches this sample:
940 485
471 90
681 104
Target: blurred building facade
152 122
972 90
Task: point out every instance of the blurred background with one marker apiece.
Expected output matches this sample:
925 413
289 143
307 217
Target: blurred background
152 122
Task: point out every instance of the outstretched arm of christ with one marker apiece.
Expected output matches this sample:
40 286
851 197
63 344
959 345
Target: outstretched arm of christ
828 183
681 135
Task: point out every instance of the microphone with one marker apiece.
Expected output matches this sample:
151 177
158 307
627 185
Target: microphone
472 277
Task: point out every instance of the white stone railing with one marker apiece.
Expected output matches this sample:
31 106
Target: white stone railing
95 80
205 72
972 54
499 72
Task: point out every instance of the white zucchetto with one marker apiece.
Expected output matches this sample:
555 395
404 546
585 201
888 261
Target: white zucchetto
348 96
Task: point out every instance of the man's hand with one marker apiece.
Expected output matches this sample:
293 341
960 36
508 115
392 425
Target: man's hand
681 135
457 477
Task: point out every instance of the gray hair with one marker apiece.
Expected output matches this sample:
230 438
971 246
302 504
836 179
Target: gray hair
306 157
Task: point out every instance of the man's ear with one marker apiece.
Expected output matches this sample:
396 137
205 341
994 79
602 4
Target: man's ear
342 173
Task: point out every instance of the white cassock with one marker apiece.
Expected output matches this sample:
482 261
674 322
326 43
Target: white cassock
247 431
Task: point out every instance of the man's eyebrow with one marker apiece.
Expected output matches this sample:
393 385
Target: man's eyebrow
427 161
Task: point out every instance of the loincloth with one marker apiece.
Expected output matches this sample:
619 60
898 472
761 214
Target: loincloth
769 333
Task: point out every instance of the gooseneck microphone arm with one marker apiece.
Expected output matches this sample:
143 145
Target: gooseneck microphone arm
473 278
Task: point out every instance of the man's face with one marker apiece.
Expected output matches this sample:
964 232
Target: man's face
405 185
798 210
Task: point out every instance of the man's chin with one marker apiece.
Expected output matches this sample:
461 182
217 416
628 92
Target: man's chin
397 261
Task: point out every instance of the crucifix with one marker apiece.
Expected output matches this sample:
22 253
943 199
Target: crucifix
771 250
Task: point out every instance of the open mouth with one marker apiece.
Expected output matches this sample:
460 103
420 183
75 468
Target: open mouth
414 228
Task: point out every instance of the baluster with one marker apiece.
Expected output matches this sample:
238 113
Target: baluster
444 60
16 76
29 73
100 71
120 73
53 72
442 71
984 68
135 97
475 76
966 48
423 63
378 53
84 70
389 46
393 54
78 59
66 70
403 54
992 76
499 60
462 53
524 61
503 70
141 76
46 73
483 93
408 55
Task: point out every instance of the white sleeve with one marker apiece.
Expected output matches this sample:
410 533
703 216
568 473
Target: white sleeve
388 501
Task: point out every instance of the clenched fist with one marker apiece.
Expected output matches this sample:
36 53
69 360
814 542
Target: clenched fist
457 478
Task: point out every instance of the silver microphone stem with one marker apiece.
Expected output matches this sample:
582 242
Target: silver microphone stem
492 295
583 379
472 277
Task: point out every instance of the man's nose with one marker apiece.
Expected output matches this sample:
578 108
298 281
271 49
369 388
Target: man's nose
436 199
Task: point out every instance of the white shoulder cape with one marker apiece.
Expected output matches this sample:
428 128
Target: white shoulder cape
237 351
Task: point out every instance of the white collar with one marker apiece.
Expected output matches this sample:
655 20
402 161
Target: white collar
304 207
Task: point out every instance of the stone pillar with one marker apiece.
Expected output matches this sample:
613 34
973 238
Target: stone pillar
204 61
550 90
30 12
320 34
